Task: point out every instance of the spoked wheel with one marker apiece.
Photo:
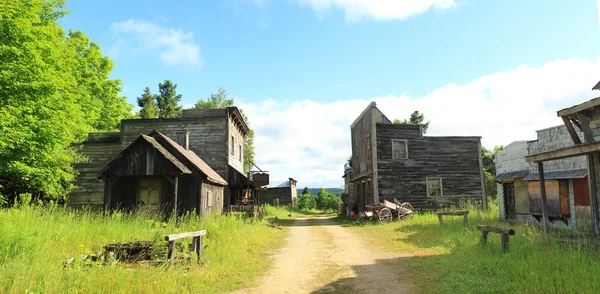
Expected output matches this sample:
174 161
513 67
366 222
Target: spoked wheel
362 217
385 215
405 211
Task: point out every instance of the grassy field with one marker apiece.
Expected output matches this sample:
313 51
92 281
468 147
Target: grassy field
450 258
35 242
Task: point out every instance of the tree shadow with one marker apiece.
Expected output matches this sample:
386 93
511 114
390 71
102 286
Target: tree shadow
384 276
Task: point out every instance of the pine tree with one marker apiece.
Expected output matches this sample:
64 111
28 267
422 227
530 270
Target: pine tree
147 104
167 101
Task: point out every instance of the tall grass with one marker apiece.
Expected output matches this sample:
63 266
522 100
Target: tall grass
34 243
451 258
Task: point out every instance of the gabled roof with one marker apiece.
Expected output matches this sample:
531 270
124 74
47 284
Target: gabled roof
168 156
191 157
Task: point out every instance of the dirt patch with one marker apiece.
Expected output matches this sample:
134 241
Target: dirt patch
323 257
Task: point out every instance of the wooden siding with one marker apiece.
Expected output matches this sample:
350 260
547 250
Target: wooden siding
207 138
522 197
234 158
284 194
454 159
211 198
89 189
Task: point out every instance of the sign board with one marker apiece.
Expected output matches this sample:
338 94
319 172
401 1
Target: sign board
260 179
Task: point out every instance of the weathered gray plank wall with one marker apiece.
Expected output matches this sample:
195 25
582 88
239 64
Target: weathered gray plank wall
284 194
454 159
211 198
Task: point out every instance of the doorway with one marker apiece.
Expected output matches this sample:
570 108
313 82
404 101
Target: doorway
149 195
509 200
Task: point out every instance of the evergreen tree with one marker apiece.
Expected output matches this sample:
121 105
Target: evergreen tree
147 104
305 191
416 118
167 100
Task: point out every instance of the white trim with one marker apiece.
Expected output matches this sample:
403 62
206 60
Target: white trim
405 148
427 186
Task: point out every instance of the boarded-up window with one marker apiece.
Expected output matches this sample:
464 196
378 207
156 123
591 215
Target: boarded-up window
240 155
434 187
399 149
557 197
209 197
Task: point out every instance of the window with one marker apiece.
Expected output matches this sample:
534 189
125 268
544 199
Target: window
368 148
434 187
232 145
399 149
240 153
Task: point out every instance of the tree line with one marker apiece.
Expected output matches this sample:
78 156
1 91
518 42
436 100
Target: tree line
324 200
55 87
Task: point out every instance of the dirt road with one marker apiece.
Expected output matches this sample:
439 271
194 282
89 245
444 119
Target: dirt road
323 257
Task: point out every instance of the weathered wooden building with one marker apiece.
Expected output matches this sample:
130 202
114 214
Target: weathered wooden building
519 194
396 161
279 193
582 123
212 136
348 187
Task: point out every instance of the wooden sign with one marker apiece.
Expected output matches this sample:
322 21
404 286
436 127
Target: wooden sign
260 179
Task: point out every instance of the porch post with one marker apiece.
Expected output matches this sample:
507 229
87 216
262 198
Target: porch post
543 194
175 192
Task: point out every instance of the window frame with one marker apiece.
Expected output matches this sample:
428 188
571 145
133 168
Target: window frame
240 155
405 149
441 194
232 145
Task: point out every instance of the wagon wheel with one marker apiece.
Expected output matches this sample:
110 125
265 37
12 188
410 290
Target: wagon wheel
385 215
405 211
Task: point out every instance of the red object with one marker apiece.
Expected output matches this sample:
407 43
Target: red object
351 212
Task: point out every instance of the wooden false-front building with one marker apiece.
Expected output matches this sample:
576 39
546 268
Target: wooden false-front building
201 152
397 161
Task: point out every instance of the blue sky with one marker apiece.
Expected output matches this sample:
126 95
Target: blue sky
319 62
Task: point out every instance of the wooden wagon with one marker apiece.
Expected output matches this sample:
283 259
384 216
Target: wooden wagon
385 211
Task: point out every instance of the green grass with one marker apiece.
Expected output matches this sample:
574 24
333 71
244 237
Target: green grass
451 259
35 242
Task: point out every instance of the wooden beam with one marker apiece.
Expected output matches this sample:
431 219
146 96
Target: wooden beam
175 192
577 150
571 130
580 107
585 127
544 200
174 237
593 193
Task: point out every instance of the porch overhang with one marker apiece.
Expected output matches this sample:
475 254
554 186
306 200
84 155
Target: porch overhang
572 151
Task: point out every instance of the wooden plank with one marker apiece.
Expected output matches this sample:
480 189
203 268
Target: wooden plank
593 193
543 194
580 107
571 130
577 150
496 230
585 127
175 192
174 237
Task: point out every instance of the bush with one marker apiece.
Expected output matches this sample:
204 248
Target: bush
306 202
327 201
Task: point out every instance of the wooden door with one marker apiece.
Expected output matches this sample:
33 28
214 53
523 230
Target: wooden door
149 195
509 200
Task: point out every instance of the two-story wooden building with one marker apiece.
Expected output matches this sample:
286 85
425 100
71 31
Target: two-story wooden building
396 161
198 156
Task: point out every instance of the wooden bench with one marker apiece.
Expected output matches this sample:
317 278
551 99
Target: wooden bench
197 243
465 215
504 232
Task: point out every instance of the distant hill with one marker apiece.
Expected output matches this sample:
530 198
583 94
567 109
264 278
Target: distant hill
336 191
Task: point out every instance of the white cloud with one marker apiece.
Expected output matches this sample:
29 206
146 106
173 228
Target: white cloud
173 46
355 10
310 141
